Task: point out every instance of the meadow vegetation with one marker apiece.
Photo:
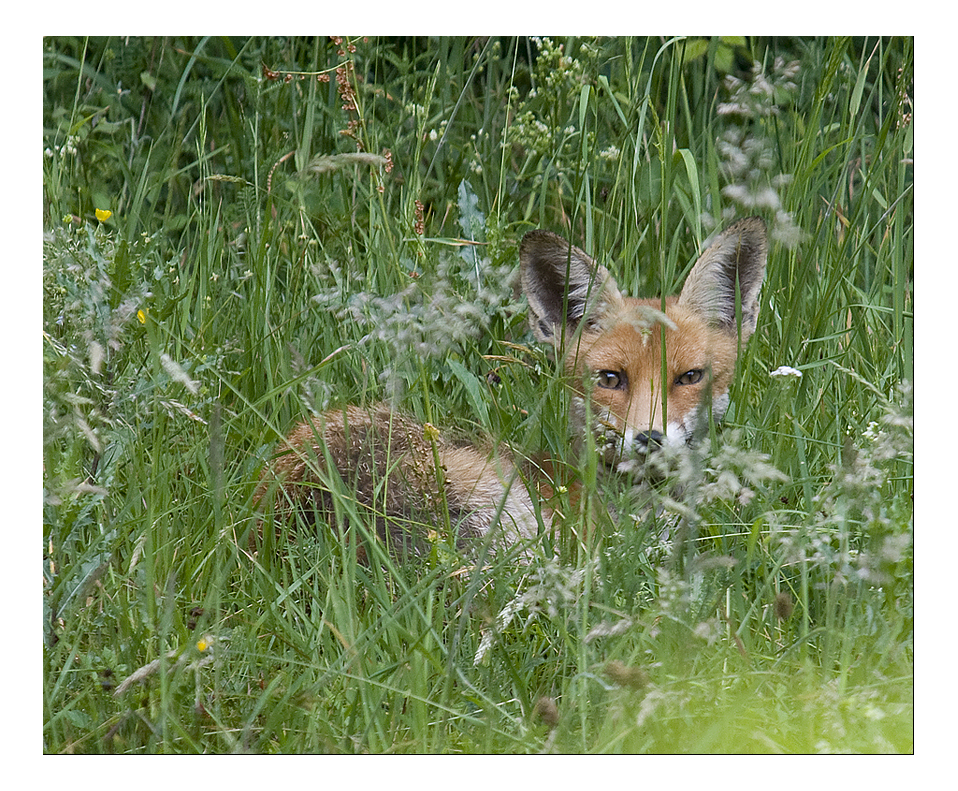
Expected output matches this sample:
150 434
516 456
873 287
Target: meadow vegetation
241 232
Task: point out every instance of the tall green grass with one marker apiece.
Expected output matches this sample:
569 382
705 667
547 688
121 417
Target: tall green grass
255 269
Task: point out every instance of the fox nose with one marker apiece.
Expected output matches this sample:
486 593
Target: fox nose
647 441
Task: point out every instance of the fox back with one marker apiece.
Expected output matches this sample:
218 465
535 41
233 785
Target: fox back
646 370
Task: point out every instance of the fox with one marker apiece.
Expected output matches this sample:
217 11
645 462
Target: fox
642 372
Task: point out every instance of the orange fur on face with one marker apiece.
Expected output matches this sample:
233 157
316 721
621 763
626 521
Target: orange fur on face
613 344
628 341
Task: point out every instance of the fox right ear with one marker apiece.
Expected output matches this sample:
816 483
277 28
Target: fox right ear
734 261
563 286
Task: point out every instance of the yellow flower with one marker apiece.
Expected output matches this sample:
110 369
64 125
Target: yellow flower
202 645
141 316
103 214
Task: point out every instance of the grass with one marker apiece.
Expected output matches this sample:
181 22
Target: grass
255 269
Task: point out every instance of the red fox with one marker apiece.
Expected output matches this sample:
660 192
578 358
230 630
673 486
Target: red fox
648 368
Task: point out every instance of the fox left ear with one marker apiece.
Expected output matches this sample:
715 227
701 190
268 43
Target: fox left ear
736 258
564 286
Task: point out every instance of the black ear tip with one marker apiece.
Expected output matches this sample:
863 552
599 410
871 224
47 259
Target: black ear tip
539 238
754 226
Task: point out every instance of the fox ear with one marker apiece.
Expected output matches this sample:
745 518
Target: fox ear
736 257
563 285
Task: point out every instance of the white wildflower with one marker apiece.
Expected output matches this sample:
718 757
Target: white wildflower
785 370
610 154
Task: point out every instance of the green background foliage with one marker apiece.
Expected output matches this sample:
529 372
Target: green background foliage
299 223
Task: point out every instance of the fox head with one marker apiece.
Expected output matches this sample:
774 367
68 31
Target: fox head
650 373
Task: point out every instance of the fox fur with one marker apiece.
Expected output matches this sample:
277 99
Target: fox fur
648 368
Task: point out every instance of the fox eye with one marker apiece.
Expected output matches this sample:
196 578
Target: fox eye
692 377
611 380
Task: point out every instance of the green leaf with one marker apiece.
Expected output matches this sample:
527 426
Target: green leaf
474 389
